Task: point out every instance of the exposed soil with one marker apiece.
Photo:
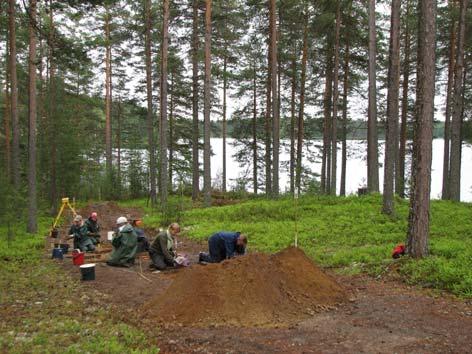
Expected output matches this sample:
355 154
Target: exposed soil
379 315
255 290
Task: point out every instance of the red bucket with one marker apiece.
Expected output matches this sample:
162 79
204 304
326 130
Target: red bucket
78 257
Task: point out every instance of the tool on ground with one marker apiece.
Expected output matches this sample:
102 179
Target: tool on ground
65 203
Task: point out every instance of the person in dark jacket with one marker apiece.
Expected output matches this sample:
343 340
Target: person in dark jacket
124 244
78 231
143 242
161 251
93 228
224 245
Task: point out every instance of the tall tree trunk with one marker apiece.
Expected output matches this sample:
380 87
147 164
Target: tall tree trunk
418 220
268 132
52 112
334 133
118 147
7 115
195 133
32 203
42 116
447 121
254 129
15 160
342 190
164 124
400 169
301 113
326 156
275 104
393 81
225 83
457 104
149 114
372 140
293 122
108 95
171 131
207 108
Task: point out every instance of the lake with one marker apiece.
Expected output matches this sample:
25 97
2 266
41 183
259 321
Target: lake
356 169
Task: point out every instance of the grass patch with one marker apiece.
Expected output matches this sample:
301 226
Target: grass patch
348 233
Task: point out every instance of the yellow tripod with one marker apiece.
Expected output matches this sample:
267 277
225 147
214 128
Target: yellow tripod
65 203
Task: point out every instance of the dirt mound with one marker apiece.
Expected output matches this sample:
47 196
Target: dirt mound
108 212
254 290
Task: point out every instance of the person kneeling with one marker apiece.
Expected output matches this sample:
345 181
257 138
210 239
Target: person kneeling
224 245
124 244
161 251
78 231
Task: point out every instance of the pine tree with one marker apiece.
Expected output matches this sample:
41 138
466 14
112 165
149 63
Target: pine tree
391 142
372 142
32 226
149 116
418 219
457 107
275 105
163 157
207 107
15 159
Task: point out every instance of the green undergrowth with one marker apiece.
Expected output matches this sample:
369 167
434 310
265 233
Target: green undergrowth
43 310
350 234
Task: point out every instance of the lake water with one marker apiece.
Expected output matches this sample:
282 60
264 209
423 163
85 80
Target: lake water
356 169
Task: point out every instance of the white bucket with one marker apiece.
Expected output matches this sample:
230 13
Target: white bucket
110 235
88 271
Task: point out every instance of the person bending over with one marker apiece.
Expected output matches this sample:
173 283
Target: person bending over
161 251
224 245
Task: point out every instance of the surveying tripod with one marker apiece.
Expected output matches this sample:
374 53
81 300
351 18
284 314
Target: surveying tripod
65 203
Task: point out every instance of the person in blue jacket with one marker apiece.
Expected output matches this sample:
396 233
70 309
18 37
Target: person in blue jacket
224 245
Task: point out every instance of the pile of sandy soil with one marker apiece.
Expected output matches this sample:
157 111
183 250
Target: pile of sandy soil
254 290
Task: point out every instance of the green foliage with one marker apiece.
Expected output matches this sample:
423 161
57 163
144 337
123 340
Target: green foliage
350 234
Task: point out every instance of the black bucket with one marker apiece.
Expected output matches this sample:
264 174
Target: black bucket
88 271
57 253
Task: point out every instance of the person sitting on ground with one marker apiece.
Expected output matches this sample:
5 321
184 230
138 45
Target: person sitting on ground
143 242
224 245
93 228
161 251
124 245
78 231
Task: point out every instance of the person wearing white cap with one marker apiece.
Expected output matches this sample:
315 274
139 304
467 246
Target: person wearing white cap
124 244
78 231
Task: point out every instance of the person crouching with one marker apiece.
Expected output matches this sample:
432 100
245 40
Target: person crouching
161 251
224 245
124 243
